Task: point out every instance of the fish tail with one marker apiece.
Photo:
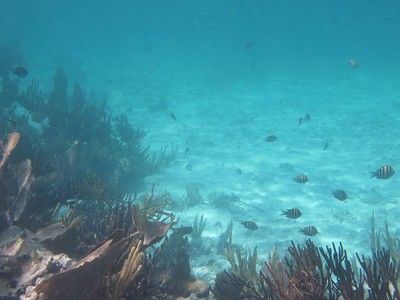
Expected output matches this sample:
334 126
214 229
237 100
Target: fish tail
373 174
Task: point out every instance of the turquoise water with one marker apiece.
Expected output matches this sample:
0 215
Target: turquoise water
233 72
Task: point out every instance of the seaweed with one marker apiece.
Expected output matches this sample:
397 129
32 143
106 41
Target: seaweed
340 265
199 224
130 270
167 269
78 149
225 239
381 274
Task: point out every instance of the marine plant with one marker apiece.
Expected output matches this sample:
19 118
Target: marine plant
130 270
225 239
243 264
167 269
199 224
78 149
309 272
384 239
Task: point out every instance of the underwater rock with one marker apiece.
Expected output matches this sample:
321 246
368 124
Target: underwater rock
198 288
24 261
42 264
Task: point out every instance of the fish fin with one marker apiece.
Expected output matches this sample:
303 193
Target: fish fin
373 174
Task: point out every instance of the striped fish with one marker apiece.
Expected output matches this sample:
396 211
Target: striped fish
293 213
20 71
270 139
301 179
383 172
250 225
309 231
339 194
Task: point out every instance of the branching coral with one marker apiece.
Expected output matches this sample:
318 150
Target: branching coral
340 265
199 224
381 275
111 148
225 239
168 268
130 270
243 264
308 272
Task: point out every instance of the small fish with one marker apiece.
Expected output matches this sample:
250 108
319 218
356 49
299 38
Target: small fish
270 139
307 117
383 172
300 121
20 71
173 117
239 171
309 231
187 150
218 224
301 179
339 194
293 213
353 63
325 147
250 225
248 46
183 230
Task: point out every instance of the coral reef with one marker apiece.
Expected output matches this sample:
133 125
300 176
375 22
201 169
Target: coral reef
225 239
199 224
65 169
309 272
70 140
167 270
72 226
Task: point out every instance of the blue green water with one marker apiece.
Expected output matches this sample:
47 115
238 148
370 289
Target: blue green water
232 73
